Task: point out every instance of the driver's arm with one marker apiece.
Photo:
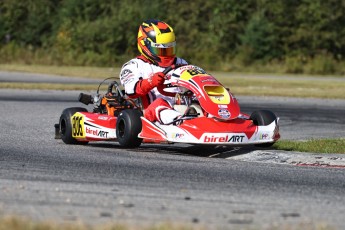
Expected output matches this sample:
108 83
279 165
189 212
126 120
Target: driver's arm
135 85
144 86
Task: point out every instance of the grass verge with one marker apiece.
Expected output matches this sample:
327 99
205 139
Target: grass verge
71 71
313 146
17 223
50 86
239 84
285 87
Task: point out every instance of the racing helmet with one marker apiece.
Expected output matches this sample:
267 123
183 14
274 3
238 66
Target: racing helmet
156 41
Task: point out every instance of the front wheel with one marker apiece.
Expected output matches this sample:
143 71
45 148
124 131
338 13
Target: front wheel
128 126
65 125
263 118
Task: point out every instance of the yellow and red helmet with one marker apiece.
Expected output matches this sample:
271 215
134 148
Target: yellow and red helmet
156 41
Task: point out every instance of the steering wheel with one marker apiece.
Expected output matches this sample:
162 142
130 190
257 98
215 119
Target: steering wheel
161 88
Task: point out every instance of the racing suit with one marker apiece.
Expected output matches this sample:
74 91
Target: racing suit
157 107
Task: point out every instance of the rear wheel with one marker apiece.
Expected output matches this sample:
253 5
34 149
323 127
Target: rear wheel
65 125
263 118
128 126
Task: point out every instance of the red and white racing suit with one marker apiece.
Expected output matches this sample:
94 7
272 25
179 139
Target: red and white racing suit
157 107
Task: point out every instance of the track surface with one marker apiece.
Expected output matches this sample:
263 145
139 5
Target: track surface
45 179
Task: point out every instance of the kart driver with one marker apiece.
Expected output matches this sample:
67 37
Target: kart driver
141 75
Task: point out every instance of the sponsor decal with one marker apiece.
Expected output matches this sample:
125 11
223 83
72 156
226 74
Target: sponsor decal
208 80
98 133
166 45
149 79
186 67
128 80
264 136
218 98
222 106
177 135
124 74
196 70
104 118
224 113
224 139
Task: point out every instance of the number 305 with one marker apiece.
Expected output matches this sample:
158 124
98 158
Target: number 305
77 128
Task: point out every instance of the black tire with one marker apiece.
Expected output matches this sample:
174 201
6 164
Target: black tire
263 118
128 126
65 125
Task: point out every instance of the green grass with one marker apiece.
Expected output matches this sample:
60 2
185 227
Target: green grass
71 71
314 146
50 86
239 84
17 223
285 87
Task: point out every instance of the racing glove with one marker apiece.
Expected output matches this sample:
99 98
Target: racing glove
146 85
157 79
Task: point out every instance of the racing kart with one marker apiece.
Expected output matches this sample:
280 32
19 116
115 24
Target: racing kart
211 116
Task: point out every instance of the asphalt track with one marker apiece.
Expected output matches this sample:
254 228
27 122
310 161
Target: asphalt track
218 188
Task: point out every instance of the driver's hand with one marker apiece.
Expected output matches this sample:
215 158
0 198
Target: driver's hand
157 79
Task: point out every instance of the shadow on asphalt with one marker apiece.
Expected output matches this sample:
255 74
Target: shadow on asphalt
215 151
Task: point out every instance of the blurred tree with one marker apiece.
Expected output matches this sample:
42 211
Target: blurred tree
28 22
208 33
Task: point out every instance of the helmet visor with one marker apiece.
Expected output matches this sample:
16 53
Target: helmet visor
165 50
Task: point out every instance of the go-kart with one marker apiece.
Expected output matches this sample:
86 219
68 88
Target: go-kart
211 116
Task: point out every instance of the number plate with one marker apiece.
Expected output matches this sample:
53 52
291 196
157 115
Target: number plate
78 129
